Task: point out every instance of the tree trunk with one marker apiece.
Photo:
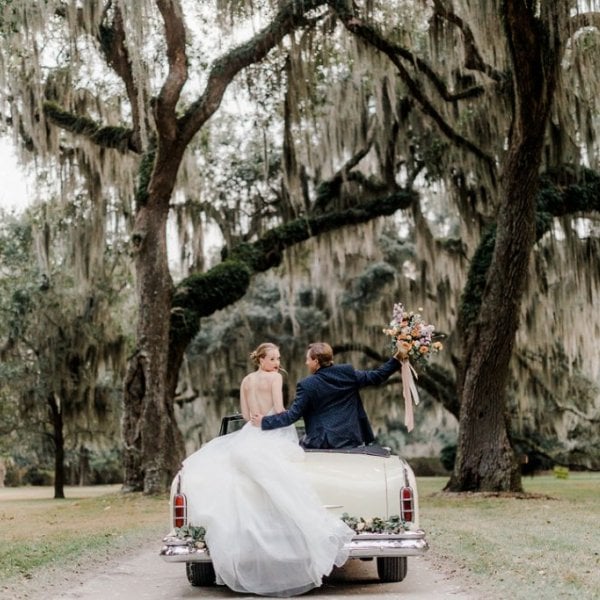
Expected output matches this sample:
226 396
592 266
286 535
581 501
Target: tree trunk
152 440
133 399
59 446
485 459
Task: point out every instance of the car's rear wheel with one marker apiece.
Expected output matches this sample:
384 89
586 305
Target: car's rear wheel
200 574
391 568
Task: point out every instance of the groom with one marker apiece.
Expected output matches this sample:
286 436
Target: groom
329 401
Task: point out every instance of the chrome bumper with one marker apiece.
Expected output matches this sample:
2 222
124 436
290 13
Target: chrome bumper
409 543
366 545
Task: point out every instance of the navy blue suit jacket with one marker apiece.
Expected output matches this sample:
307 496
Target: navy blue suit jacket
333 411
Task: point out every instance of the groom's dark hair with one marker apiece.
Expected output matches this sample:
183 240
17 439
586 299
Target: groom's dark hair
322 352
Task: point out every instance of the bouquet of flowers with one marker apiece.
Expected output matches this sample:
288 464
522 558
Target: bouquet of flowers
411 335
412 338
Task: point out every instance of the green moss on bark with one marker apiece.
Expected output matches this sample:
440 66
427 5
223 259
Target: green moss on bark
144 175
203 294
107 137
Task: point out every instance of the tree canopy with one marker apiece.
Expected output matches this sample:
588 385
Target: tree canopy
477 120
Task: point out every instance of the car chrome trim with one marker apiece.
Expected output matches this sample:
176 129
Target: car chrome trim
374 450
410 543
185 553
364 545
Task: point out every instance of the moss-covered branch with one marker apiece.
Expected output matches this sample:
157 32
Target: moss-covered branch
203 294
113 43
291 15
563 192
362 348
473 58
120 138
364 31
566 192
440 384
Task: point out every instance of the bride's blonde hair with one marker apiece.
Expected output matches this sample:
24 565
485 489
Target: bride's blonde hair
261 352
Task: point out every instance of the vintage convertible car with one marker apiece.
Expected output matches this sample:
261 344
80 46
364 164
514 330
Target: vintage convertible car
371 489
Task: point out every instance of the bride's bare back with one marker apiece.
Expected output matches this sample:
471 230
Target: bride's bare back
261 392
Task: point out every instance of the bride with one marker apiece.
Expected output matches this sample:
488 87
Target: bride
266 530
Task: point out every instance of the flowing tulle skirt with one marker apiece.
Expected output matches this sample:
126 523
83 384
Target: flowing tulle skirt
266 530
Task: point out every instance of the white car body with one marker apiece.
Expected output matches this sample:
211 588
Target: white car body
368 484
371 483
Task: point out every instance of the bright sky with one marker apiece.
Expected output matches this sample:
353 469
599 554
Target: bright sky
13 186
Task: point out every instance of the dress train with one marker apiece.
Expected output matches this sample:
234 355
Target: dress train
266 529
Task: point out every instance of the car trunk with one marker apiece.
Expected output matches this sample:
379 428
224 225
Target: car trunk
350 483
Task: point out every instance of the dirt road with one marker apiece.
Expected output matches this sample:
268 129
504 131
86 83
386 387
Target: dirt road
147 577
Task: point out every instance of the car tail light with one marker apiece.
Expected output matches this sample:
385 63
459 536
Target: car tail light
179 510
406 504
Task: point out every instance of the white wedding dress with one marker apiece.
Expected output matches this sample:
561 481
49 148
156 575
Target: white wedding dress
266 530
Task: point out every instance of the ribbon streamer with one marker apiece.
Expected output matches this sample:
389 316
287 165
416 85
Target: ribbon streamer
409 391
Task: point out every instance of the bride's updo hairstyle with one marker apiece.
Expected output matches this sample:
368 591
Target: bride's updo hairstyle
321 352
261 352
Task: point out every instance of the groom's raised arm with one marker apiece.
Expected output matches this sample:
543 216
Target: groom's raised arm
287 417
378 375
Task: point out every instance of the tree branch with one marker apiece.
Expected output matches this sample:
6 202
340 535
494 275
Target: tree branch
440 385
359 28
121 138
566 192
170 92
289 17
111 38
473 59
329 189
581 20
112 43
363 348
438 82
562 192
200 295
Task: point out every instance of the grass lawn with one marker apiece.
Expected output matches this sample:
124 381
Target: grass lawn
38 531
547 547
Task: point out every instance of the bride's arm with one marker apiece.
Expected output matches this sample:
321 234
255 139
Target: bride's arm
244 401
277 393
